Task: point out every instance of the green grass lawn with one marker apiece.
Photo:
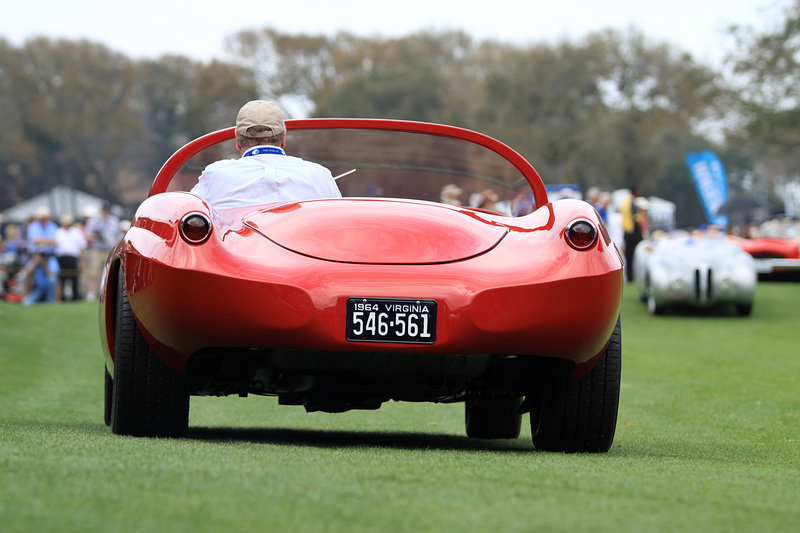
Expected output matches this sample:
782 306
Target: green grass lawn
707 440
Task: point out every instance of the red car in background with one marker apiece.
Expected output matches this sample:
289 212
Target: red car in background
385 294
774 256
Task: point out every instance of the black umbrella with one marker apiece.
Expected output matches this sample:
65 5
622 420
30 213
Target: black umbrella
741 202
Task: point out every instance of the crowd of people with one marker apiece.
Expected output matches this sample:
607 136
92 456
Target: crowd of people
627 220
519 204
42 261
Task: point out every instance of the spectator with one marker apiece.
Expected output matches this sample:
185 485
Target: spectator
631 223
7 257
603 204
40 273
451 194
264 173
643 208
486 199
522 204
11 261
102 233
70 246
3 244
41 232
593 196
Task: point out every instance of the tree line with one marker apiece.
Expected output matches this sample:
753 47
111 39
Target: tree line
611 109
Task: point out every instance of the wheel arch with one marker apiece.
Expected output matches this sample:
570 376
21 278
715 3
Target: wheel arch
108 310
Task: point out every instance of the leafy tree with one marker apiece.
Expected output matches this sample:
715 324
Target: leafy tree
612 109
77 113
13 149
67 116
350 76
179 99
768 69
285 67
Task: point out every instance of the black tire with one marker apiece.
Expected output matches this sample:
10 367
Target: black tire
109 398
643 290
744 309
581 416
493 417
149 399
653 307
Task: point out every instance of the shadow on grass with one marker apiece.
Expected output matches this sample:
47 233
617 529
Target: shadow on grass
51 431
650 449
97 434
680 311
352 439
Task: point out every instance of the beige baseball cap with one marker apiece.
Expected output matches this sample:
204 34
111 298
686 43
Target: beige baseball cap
259 119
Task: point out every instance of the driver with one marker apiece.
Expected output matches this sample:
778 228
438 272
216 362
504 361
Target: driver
264 173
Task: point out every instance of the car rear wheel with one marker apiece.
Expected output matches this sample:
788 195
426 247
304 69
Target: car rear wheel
149 399
581 416
493 417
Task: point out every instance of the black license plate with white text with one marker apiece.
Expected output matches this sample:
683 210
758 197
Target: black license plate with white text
398 320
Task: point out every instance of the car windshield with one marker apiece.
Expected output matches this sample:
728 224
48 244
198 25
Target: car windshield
392 164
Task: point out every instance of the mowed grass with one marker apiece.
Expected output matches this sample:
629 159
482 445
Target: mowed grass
707 440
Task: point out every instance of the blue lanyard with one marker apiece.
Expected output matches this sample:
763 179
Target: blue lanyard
261 150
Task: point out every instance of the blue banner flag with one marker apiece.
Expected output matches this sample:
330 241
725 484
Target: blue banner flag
711 183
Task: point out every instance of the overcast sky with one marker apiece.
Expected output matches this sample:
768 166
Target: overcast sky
197 28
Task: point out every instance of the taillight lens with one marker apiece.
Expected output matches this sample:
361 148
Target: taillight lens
581 234
195 228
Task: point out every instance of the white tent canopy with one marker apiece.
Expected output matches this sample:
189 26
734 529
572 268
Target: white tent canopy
661 214
61 200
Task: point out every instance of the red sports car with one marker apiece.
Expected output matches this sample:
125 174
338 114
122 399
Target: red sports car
384 294
773 255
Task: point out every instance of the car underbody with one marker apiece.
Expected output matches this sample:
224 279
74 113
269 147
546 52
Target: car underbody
340 381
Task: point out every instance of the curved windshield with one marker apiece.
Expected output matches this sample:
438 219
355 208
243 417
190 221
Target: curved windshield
396 164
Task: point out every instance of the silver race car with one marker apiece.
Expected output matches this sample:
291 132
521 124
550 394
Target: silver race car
682 271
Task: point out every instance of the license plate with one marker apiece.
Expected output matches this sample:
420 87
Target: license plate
405 321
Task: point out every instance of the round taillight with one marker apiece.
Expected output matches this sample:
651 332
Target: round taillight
581 234
195 228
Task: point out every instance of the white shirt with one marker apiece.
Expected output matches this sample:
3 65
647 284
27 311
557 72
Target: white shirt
70 241
104 231
264 174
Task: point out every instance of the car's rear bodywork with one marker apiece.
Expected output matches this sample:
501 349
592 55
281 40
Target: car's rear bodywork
340 304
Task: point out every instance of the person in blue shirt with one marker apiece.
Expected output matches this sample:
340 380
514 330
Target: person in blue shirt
42 270
41 274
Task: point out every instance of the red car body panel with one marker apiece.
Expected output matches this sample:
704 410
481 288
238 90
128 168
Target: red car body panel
773 255
279 275
770 247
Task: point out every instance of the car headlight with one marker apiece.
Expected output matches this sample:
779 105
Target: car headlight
581 234
195 228
726 284
678 285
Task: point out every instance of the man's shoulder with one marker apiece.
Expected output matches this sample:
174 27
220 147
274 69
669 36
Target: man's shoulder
222 163
300 162
222 167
